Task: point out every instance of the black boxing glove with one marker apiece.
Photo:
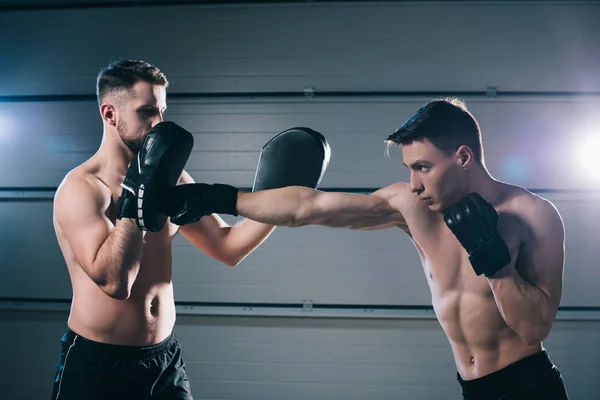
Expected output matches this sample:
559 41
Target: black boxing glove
188 203
155 170
473 221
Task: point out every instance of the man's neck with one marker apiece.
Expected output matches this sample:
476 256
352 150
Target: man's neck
482 182
116 156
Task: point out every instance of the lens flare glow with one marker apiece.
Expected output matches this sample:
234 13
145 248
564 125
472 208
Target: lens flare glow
589 157
5 128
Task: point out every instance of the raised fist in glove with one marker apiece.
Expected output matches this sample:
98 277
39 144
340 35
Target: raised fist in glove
473 221
155 170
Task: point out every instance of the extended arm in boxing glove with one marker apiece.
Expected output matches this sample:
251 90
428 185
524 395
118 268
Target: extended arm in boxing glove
188 203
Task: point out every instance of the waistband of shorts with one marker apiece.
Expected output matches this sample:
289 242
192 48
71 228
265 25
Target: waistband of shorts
116 349
520 368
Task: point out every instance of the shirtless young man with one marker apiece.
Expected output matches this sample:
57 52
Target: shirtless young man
494 266
119 343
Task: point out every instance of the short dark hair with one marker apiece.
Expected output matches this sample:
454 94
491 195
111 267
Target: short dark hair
446 123
124 74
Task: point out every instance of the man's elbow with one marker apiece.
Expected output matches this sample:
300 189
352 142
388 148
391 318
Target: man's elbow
117 291
229 257
537 327
536 334
232 261
116 284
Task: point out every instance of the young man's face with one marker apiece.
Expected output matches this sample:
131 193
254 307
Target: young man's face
142 110
436 177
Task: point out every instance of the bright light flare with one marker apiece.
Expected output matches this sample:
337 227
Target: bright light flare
589 157
6 129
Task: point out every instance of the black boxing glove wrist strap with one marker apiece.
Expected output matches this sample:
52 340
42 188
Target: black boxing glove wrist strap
490 257
189 202
225 199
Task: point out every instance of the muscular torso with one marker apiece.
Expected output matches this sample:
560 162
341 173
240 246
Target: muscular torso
148 315
463 302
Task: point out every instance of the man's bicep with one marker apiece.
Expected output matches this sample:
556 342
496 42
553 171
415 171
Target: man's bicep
79 213
544 263
377 210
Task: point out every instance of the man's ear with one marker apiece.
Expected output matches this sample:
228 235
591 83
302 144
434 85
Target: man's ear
108 113
464 156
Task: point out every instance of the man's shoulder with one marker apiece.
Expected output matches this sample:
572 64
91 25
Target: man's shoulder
395 190
399 195
532 207
521 198
80 182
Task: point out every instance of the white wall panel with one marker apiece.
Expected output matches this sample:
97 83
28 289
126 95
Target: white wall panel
416 46
322 265
528 142
531 143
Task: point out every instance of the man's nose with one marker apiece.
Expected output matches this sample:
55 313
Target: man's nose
416 185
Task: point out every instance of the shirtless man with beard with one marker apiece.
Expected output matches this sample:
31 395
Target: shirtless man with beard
119 343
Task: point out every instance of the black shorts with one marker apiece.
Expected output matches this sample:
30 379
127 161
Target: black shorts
533 377
92 371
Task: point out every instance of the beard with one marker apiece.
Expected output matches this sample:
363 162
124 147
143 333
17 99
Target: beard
134 145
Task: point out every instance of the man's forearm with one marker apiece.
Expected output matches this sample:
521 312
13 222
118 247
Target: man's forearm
245 238
279 207
526 309
118 259
296 206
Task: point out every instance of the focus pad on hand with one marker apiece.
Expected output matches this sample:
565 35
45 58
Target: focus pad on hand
161 160
295 157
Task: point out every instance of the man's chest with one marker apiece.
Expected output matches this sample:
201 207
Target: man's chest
446 263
